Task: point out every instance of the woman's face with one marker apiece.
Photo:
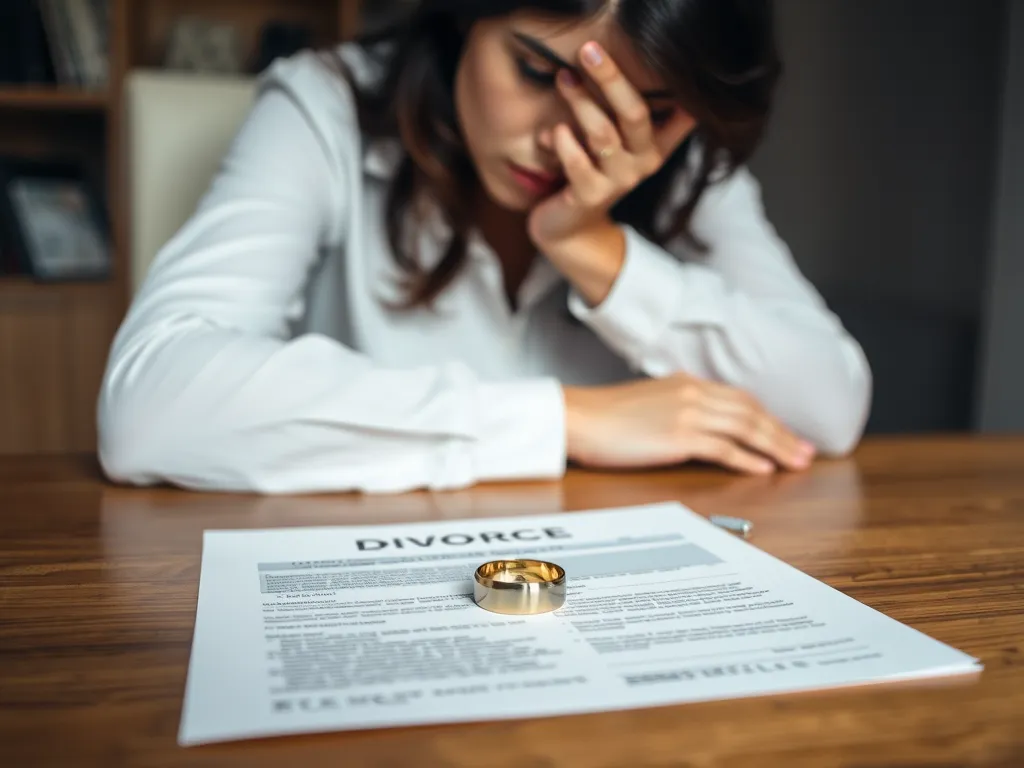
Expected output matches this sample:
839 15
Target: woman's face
508 105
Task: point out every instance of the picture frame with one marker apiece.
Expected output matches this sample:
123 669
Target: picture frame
52 217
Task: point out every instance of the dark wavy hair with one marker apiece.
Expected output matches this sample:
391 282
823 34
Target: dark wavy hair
719 57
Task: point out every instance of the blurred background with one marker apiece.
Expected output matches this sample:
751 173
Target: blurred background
894 169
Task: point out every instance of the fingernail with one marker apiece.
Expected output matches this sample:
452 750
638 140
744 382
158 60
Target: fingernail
592 54
807 448
568 78
765 467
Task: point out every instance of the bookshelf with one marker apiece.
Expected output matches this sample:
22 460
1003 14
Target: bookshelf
54 336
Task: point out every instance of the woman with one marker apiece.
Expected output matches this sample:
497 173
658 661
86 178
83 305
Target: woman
500 237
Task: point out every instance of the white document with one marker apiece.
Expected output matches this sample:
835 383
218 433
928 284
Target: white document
316 629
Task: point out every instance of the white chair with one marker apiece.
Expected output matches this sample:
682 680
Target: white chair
178 127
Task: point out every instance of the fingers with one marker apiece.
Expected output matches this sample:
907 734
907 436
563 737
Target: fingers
630 109
748 422
734 414
587 185
763 433
601 133
727 453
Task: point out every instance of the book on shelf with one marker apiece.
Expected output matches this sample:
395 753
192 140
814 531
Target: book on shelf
55 42
54 221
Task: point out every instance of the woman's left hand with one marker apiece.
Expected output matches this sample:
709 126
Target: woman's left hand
620 153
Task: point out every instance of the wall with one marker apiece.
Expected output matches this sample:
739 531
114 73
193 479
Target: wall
1001 406
879 164
879 173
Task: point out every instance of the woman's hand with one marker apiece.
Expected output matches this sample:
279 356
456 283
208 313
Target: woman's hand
620 152
680 418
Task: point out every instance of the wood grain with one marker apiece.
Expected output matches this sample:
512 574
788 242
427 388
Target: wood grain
33 383
52 98
53 348
90 325
118 193
98 594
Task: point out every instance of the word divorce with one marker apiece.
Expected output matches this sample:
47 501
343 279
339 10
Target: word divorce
462 539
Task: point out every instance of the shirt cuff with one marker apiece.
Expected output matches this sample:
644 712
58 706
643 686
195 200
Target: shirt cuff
652 291
521 431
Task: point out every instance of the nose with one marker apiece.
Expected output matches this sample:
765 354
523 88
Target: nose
546 139
558 113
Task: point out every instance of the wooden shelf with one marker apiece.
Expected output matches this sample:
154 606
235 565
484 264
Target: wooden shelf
17 287
52 99
55 337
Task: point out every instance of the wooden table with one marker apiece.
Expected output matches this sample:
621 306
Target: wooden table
98 595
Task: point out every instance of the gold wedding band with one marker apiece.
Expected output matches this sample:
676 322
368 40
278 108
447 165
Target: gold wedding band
519 587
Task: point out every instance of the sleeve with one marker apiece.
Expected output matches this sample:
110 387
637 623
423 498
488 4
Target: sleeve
205 389
742 314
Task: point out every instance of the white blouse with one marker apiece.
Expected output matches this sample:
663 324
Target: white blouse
262 354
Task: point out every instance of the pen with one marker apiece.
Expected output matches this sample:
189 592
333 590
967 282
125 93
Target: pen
733 524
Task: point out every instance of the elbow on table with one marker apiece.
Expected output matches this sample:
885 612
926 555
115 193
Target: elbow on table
840 439
141 450
128 444
138 428
839 414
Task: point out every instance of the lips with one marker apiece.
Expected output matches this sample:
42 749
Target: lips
535 182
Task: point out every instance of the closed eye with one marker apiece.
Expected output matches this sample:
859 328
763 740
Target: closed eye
544 78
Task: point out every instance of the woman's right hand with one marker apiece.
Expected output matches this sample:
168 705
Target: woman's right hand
658 422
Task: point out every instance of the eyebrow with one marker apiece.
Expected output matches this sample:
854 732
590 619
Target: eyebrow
546 53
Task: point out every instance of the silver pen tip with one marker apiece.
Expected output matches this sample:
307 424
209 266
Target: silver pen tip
734 524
